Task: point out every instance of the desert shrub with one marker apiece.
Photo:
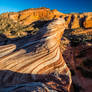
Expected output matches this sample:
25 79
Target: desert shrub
8 26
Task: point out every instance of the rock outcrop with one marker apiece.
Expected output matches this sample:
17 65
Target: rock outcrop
19 24
80 62
88 22
31 51
26 17
73 20
37 60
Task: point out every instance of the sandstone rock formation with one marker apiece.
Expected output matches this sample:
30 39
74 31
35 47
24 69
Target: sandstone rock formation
28 16
19 48
77 55
88 22
19 24
73 20
35 63
77 52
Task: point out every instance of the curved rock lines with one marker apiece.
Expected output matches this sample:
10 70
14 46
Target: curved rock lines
35 58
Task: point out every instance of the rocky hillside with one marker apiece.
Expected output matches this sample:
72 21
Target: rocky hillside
19 30
18 24
73 20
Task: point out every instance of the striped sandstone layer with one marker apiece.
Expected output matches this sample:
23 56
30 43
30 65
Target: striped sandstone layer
38 60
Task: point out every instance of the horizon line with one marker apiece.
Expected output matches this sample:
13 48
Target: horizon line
16 10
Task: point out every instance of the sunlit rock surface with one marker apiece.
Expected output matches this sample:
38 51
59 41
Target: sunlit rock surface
26 22
35 63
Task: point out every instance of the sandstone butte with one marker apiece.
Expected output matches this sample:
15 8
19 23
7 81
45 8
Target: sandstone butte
36 64
73 20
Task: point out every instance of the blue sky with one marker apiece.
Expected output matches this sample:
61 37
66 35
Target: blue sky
65 6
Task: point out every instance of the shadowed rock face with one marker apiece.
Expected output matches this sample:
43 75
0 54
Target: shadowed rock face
79 59
37 60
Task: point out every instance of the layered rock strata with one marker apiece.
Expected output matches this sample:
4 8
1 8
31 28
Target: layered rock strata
73 20
80 63
37 60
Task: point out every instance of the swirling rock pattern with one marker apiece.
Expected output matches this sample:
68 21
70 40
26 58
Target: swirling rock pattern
36 59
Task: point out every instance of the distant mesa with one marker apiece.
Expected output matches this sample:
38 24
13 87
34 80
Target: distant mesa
23 20
73 20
